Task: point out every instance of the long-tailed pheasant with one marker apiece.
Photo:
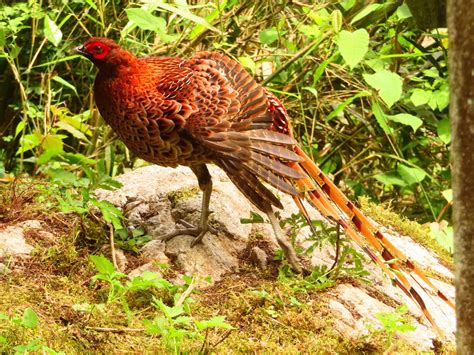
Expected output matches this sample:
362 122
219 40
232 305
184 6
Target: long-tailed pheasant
208 109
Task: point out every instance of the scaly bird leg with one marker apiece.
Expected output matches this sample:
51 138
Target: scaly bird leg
283 242
205 184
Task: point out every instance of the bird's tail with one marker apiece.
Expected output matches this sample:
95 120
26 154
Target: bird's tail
326 197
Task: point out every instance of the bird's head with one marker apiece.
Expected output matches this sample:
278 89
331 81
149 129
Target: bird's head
103 52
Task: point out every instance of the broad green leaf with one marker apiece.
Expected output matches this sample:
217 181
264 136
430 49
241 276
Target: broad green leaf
390 179
102 264
52 31
444 130
187 15
443 233
381 117
353 46
403 12
145 20
248 63
365 11
30 319
28 142
388 84
441 97
448 195
347 4
74 131
420 97
406 119
411 175
52 146
268 36
311 31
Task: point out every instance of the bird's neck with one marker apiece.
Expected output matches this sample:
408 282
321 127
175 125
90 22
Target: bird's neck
120 61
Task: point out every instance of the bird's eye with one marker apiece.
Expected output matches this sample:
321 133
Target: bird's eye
98 49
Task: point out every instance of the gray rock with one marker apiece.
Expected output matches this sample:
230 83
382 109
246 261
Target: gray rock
156 197
12 242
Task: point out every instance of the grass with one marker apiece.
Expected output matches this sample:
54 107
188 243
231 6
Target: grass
267 313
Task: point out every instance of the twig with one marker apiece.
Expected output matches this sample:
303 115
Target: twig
116 330
186 293
297 55
112 246
338 249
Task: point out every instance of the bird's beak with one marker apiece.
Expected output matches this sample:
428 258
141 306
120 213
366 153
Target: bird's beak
82 51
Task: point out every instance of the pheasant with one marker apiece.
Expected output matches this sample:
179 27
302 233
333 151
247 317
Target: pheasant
208 109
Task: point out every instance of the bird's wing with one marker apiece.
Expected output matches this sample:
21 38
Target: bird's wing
234 123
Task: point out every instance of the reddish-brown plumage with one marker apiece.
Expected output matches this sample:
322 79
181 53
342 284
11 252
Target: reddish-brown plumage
208 109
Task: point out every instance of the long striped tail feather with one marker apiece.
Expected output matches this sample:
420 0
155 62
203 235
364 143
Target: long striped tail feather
326 197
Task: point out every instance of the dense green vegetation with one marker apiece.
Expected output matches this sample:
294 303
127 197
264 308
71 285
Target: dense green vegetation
367 91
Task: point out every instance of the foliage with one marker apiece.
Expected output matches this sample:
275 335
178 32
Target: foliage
28 322
367 90
172 323
395 322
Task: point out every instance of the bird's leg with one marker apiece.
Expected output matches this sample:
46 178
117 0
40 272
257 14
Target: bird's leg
205 184
283 242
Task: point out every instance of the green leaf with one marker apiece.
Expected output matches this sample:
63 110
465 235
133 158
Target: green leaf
198 29
411 175
353 46
248 63
388 84
336 20
145 20
187 15
441 97
310 31
344 104
52 146
390 179
407 120
28 142
2 37
448 195
102 264
420 97
30 319
365 12
381 117
403 12
268 36
444 130
65 83
52 31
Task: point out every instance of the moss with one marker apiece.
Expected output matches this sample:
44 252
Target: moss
420 234
183 194
267 315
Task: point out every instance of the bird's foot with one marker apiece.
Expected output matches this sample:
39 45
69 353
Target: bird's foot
197 232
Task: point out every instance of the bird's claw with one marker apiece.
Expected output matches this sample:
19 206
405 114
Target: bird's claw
196 232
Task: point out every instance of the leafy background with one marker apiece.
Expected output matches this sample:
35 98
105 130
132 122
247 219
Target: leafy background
368 94
367 90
